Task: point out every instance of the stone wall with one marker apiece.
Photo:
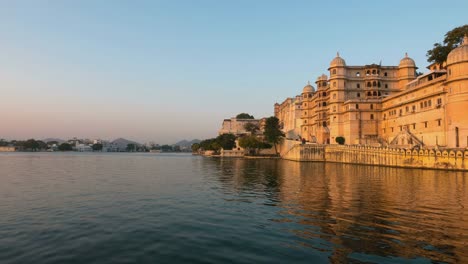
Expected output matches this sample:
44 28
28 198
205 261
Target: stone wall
449 159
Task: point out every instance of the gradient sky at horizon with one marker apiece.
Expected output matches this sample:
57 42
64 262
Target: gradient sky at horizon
164 71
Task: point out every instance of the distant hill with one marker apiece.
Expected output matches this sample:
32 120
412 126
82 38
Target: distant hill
53 139
186 143
124 142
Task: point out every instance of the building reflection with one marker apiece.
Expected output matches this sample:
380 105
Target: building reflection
360 213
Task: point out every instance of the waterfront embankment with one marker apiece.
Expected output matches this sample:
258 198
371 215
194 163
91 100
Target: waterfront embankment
447 159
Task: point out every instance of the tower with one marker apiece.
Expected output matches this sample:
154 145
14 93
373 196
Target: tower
406 71
457 96
336 95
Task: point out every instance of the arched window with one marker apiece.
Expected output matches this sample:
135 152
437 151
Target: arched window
305 113
358 95
378 84
357 106
386 85
358 74
371 116
324 104
324 84
358 85
324 93
374 72
385 116
334 71
367 73
369 93
385 74
369 84
379 93
371 106
374 93
374 83
334 84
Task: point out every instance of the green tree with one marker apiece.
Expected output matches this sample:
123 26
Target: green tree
244 116
3 142
226 141
195 147
65 147
207 144
251 127
131 147
250 143
340 140
273 133
32 145
166 148
453 38
97 147
253 144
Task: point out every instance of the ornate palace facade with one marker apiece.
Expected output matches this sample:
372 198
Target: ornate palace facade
384 105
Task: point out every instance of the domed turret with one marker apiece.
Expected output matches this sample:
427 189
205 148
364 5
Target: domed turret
322 78
337 61
459 54
406 71
308 88
407 62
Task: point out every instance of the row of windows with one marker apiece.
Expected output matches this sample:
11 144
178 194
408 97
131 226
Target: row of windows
368 72
322 84
413 126
422 105
369 84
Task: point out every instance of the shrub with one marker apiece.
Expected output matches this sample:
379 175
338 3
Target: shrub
340 140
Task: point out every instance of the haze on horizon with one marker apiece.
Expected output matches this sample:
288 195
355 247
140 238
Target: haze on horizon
169 70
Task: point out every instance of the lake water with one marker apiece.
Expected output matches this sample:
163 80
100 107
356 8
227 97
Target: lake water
178 208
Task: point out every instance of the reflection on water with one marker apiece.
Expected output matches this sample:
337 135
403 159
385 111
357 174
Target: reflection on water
361 213
146 208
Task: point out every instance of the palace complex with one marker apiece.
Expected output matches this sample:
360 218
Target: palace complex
384 105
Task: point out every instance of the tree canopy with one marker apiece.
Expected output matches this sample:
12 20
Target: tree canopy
453 38
65 147
3 142
251 127
195 147
340 140
244 116
273 133
97 147
226 141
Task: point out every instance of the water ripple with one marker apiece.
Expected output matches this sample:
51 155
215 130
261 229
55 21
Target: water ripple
146 208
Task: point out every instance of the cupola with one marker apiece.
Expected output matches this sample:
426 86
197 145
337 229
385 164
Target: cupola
459 54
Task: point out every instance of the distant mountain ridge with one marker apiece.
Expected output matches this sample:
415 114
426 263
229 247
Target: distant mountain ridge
53 139
123 141
186 143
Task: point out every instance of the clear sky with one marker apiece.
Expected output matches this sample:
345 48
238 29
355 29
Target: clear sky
168 70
